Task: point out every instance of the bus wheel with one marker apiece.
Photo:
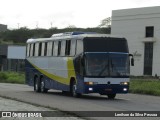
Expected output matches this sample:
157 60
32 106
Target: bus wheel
73 90
37 87
43 89
111 96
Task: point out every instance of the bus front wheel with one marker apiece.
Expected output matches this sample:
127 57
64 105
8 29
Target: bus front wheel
111 96
73 90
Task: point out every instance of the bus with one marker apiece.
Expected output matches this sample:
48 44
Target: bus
79 63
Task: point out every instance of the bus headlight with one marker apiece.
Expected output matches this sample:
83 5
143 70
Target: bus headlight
91 83
90 89
124 83
124 89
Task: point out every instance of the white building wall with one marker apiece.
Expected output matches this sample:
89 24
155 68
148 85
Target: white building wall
131 23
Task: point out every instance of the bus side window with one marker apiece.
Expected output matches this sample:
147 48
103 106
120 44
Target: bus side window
49 48
36 49
28 50
79 47
52 48
63 45
40 49
31 50
45 49
73 47
68 47
55 50
42 52
59 47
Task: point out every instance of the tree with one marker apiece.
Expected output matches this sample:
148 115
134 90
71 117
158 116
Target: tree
105 22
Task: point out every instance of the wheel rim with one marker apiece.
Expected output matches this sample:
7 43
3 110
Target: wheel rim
42 86
74 90
36 85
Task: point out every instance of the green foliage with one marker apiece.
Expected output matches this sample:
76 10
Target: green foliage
12 77
21 35
146 86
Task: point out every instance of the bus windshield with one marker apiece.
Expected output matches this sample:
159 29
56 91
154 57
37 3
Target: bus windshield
107 65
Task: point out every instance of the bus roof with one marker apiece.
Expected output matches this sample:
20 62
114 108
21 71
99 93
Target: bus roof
70 35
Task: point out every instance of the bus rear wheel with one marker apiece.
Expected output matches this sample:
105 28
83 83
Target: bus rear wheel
74 90
111 96
37 86
43 89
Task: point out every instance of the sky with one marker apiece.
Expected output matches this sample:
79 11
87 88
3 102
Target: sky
62 13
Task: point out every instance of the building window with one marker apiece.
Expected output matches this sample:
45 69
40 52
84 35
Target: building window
150 31
148 58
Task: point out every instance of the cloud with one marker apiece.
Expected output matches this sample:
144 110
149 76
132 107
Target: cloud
81 13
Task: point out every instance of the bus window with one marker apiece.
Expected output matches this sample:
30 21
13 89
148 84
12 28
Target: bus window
42 52
40 49
36 49
55 50
49 48
59 47
73 47
63 45
31 49
52 48
68 47
45 49
79 47
28 50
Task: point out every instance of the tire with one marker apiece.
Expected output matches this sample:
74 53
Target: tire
111 96
74 90
43 89
37 87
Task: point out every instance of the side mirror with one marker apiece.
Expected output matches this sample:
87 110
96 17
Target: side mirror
132 59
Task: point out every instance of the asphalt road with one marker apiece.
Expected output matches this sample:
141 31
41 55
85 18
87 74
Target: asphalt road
93 102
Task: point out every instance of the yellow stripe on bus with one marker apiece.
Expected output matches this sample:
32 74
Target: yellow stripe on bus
71 73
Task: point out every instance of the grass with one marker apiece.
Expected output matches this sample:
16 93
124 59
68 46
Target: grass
12 77
145 86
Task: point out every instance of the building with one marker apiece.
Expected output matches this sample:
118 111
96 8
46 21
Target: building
12 58
141 27
3 27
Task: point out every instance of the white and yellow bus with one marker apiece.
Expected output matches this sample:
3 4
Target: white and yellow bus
80 63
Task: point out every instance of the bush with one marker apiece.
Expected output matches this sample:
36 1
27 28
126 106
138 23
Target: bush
145 86
12 77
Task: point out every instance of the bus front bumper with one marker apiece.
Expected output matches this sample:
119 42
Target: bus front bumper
104 89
